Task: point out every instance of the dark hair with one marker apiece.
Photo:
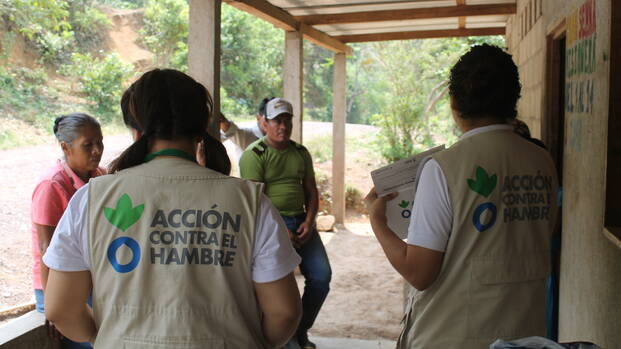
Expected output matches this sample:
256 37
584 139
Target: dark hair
67 127
215 155
485 82
168 104
263 105
128 118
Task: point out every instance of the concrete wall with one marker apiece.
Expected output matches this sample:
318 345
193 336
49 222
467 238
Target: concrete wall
590 288
26 332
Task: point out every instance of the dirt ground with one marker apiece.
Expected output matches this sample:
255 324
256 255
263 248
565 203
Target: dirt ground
365 300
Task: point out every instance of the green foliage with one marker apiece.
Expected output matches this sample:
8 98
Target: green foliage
27 102
36 17
123 4
252 59
407 83
56 27
101 82
6 44
179 57
232 107
165 25
353 198
45 23
318 71
89 24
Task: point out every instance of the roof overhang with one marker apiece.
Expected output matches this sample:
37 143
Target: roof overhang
332 24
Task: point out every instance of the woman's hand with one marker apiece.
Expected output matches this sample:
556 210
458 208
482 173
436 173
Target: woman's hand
377 206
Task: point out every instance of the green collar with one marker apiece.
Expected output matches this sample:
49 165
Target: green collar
170 152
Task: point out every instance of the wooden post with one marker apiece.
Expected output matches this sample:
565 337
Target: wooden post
293 80
204 51
339 115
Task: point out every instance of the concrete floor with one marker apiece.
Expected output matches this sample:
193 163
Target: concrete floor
350 343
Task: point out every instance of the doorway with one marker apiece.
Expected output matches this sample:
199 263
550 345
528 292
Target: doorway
553 134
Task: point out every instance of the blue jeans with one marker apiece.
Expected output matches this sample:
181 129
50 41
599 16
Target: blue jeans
315 268
65 343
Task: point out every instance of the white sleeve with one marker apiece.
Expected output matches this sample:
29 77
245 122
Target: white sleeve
241 136
273 257
68 250
432 216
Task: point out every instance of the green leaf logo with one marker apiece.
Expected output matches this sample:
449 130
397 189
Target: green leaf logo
404 203
484 184
125 215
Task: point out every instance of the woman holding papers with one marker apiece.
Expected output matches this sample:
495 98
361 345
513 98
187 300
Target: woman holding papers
477 246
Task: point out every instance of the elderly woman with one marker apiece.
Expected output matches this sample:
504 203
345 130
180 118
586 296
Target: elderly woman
80 139
477 250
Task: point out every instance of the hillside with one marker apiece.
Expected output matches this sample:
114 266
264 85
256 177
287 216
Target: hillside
34 91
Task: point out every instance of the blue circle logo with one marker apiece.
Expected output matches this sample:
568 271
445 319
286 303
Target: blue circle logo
476 218
115 245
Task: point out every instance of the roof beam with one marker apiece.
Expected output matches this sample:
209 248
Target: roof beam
266 11
462 19
322 39
418 13
283 20
421 34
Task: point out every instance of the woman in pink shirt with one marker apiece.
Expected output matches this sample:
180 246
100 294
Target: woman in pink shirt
80 139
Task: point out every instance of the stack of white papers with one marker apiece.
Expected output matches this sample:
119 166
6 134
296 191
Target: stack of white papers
401 177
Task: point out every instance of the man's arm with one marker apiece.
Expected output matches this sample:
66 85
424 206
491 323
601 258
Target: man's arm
418 265
65 304
311 196
44 236
280 304
243 137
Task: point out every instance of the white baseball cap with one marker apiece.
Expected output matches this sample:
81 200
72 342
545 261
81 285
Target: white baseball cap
276 107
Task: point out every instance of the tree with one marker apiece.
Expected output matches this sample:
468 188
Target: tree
318 72
165 26
251 62
407 81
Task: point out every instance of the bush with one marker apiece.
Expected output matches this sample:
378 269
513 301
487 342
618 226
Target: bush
56 27
55 48
353 198
101 81
45 24
26 97
89 25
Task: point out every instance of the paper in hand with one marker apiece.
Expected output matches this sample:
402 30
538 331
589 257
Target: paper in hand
401 177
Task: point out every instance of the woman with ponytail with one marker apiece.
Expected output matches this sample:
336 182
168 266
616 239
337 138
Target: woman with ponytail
80 139
177 254
210 152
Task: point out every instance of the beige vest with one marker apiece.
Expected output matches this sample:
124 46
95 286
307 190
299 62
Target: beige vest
502 190
171 250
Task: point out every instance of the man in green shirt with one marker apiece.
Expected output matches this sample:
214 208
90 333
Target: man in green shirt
286 169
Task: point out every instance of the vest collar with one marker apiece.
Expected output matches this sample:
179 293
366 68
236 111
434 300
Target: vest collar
476 131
